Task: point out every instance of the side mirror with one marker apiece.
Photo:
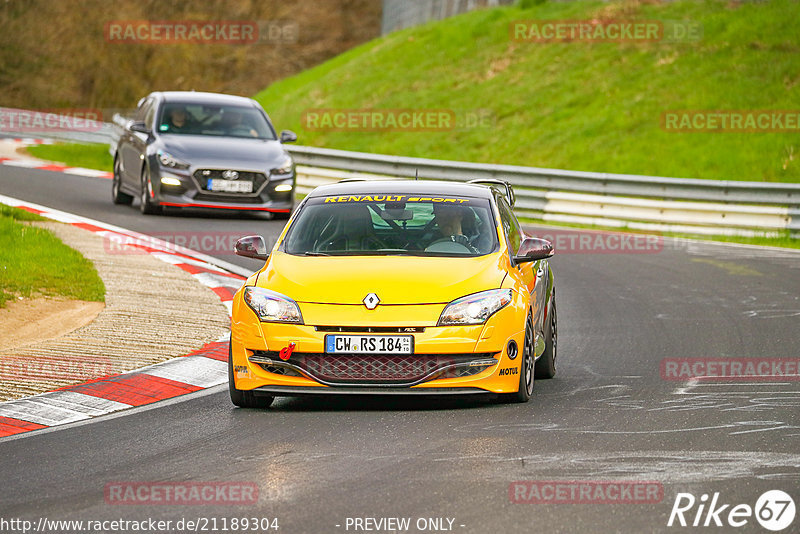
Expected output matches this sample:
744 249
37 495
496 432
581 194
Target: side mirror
252 246
532 249
138 127
288 136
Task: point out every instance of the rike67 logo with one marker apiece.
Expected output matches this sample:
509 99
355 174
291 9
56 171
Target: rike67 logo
774 510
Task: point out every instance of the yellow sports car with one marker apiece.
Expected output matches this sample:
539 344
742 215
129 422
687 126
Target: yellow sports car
396 287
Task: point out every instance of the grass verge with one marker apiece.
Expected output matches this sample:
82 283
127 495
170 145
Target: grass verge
590 106
90 156
34 262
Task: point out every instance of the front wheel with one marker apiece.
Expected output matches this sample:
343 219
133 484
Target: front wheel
546 365
243 398
146 205
526 373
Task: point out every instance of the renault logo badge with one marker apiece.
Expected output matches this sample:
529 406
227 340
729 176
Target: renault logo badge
371 301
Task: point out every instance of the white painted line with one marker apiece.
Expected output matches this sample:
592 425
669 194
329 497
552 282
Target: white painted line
176 260
81 403
31 164
229 305
212 280
35 411
135 410
81 171
194 370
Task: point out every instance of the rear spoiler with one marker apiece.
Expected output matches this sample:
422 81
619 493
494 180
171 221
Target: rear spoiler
504 186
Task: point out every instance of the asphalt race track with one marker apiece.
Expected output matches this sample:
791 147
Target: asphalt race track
608 415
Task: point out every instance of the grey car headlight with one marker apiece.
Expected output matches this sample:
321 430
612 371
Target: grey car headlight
168 160
272 307
285 166
475 308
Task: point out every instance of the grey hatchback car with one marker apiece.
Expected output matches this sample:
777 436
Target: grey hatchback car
202 150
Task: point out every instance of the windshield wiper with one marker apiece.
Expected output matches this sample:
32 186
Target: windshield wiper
312 253
392 251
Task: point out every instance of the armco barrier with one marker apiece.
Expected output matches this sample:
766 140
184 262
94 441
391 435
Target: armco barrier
617 200
684 205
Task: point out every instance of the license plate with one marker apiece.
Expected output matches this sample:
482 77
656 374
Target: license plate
230 186
369 344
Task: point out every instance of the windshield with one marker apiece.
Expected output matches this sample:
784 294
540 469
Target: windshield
227 121
393 224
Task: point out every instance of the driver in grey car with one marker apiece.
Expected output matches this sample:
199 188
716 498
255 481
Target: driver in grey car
177 121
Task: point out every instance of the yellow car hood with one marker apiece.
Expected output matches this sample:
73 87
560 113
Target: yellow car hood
395 279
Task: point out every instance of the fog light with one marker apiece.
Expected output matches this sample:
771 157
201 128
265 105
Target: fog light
283 188
512 350
170 180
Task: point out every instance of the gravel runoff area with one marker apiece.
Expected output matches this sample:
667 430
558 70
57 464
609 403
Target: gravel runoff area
154 311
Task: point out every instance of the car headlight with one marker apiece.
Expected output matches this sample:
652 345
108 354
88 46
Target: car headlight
168 160
272 307
475 309
285 166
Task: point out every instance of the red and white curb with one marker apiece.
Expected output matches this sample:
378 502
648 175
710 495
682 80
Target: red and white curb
201 369
45 166
31 141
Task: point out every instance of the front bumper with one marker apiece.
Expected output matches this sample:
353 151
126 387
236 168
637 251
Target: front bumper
191 194
296 391
466 359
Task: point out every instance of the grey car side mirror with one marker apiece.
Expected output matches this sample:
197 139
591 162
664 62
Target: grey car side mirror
288 136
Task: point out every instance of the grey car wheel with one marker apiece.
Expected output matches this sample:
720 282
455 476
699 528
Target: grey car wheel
146 205
117 196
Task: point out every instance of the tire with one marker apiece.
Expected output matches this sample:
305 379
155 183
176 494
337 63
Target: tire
281 216
242 398
117 196
526 372
546 365
147 206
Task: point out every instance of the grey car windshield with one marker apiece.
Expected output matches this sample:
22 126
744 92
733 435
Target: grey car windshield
389 224
214 120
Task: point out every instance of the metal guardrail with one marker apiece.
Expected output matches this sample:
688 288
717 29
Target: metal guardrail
554 179
618 200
